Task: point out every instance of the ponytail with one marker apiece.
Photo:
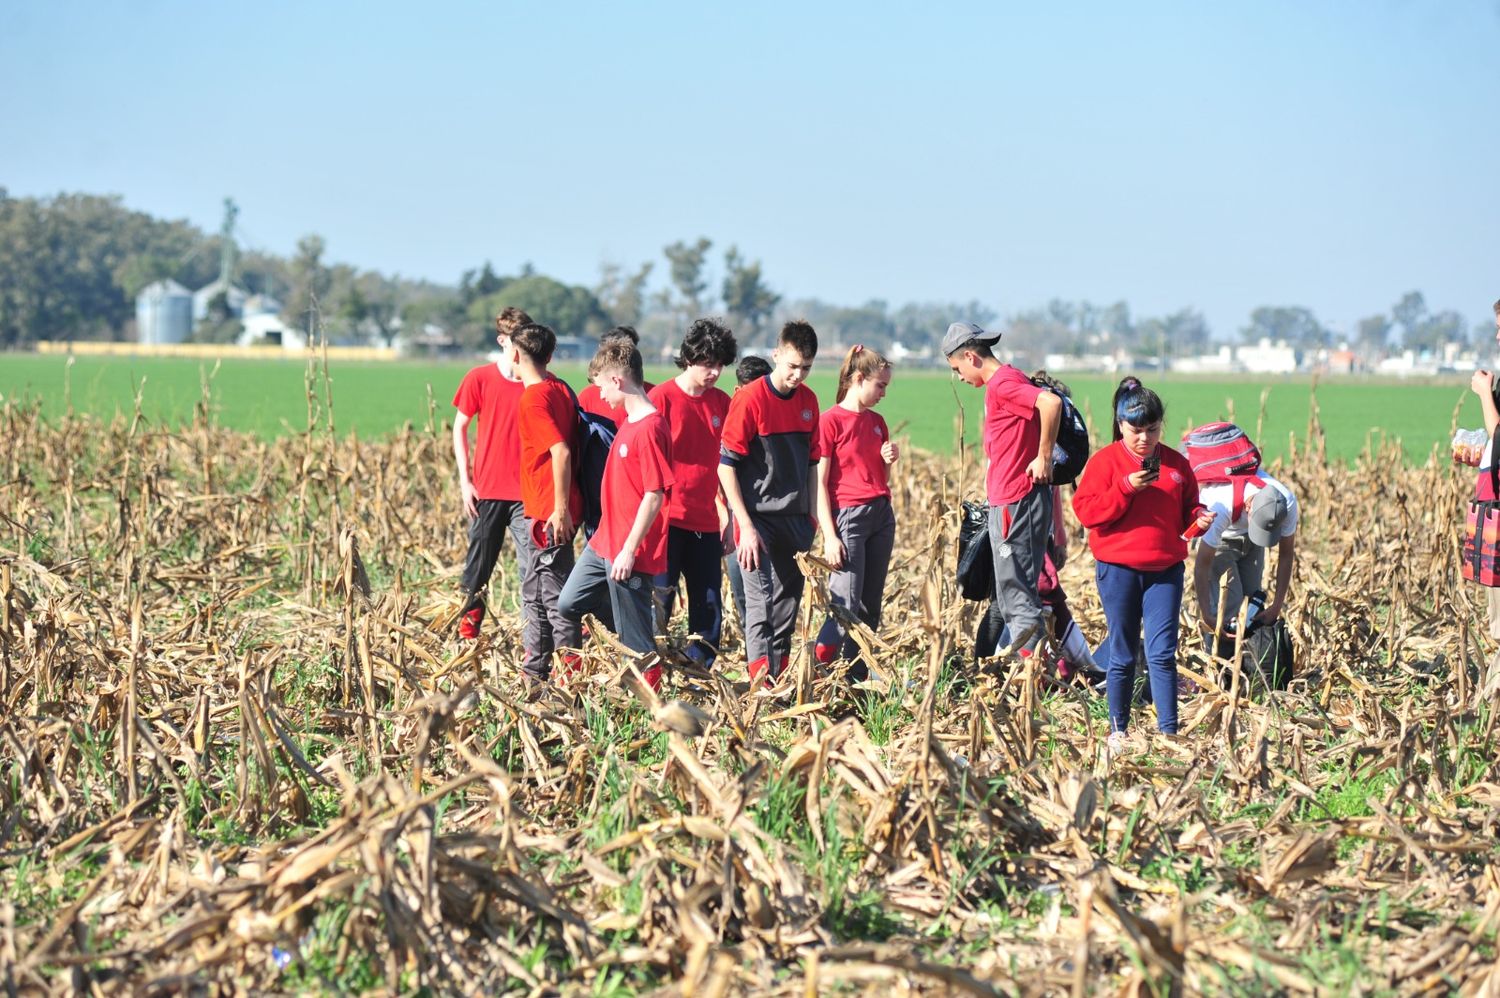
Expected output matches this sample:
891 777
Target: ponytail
866 363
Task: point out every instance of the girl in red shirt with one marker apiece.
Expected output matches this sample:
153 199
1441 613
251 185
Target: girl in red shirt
1137 498
854 501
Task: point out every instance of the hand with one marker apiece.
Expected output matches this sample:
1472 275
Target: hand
1483 382
1269 614
560 526
1040 469
621 567
890 453
1140 479
1204 521
471 500
748 554
833 550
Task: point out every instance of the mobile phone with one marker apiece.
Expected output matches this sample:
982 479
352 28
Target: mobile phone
1152 464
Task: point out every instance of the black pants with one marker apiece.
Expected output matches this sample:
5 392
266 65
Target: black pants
697 557
486 531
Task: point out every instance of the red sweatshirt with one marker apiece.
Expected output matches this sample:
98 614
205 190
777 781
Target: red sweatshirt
1140 530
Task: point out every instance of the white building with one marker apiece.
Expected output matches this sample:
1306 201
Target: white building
1266 357
270 331
163 313
234 297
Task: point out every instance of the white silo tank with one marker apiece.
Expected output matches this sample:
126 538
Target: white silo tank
163 313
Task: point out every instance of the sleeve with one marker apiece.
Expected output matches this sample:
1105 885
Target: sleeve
656 459
739 429
1102 497
1189 491
466 399
815 449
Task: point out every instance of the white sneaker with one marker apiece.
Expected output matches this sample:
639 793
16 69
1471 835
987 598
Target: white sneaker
1115 744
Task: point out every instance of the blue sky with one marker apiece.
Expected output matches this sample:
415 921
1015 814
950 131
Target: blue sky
1220 156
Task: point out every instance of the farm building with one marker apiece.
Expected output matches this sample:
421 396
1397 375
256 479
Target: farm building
163 313
266 330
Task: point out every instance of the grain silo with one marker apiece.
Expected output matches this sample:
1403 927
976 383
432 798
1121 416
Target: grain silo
163 313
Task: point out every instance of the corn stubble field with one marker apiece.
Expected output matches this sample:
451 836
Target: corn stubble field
243 751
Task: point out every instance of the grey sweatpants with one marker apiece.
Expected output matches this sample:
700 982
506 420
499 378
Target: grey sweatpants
631 603
773 590
1019 551
868 533
544 627
1244 562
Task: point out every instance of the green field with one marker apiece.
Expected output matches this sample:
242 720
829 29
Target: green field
268 397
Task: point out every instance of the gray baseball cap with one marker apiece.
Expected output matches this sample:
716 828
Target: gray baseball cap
961 334
1268 510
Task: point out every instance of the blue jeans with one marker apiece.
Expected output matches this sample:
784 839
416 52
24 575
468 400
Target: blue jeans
1136 602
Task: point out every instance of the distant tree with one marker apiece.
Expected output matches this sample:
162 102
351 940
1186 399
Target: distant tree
746 297
1438 330
1114 322
623 295
569 310
142 270
1410 312
1293 324
1374 334
310 281
686 272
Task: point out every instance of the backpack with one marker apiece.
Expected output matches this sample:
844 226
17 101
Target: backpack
1071 452
1222 453
593 437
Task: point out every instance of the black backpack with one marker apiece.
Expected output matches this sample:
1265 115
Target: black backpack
593 437
1071 452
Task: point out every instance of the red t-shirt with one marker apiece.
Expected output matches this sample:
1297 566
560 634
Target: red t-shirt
850 442
695 425
1140 530
495 468
1012 433
640 461
589 400
545 416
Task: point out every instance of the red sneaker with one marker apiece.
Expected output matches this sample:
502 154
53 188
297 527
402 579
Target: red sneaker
572 665
757 669
653 678
468 627
825 654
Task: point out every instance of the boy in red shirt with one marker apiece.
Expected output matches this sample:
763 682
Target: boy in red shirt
589 400
766 466
547 421
694 411
491 490
1020 430
621 561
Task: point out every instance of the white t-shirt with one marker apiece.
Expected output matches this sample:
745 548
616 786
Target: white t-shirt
1220 499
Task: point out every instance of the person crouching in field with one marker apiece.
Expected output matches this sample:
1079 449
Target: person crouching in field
1020 429
854 502
620 563
1137 498
590 399
1234 550
547 422
694 410
491 486
750 370
766 460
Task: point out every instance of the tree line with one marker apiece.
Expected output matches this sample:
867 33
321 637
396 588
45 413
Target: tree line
72 265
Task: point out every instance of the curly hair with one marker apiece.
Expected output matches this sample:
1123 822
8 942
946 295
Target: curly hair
617 355
707 342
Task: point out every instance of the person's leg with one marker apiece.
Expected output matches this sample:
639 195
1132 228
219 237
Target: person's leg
736 587
845 586
635 610
1120 593
1251 568
536 633
1161 602
587 588
514 518
992 632
485 532
879 545
793 534
553 566
666 582
1226 569
759 595
703 553
1018 562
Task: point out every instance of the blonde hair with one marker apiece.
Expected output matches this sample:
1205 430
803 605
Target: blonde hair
862 361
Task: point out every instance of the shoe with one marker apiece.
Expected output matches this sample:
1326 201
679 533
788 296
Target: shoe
1115 744
652 676
825 654
571 665
757 669
468 625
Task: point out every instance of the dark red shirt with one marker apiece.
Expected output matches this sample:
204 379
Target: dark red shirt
771 440
640 461
1140 530
546 416
695 426
495 468
850 442
1012 434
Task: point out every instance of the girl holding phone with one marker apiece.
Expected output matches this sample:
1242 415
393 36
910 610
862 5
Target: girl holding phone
1137 498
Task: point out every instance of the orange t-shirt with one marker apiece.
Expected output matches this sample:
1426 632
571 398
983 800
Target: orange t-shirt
546 415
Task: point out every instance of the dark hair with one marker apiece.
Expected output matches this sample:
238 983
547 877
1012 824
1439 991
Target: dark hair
799 335
618 354
622 333
1137 405
859 360
707 342
1057 386
751 369
535 341
510 319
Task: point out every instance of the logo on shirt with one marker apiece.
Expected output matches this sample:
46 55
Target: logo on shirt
807 415
1176 478
624 450
878 433
716 422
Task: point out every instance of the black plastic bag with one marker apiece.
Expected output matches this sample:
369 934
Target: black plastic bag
976 559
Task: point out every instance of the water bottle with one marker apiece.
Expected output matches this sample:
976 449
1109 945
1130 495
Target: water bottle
1255 605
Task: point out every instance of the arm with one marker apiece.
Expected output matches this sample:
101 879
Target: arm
833 550
624 562
748 552
1483 385
461 458
1049 406
1286 559
561 520
1102 497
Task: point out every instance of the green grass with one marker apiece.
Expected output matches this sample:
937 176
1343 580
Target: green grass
268 397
